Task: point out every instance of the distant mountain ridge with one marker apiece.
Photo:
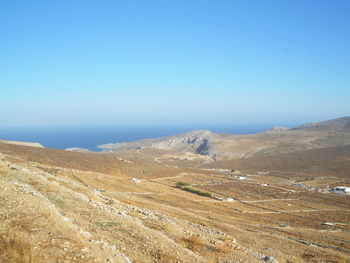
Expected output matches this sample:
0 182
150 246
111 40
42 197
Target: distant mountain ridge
338 124
230 146
196 141
32 144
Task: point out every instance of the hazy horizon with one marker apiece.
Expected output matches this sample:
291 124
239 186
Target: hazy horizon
91 136
184 63
189 125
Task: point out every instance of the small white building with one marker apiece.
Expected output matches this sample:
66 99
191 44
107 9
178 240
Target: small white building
342 190
135 180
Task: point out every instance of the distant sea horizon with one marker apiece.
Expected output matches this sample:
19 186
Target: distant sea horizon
90 137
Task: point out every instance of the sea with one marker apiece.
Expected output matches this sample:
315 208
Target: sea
90 137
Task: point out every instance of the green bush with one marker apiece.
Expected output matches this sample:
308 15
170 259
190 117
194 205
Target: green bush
182 186
179 184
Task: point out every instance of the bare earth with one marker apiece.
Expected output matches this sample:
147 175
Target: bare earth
61 206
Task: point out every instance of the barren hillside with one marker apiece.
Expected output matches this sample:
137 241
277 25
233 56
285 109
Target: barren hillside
61 206
231 147
331 161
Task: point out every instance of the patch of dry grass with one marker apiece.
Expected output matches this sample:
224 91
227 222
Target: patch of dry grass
160 256
52 179
156 225
14 249
193 243
202 247
15 243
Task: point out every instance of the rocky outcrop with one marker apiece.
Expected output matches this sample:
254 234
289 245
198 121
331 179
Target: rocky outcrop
277 129
230 147
195 141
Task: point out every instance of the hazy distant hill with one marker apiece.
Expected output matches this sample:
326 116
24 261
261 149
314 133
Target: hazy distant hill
340 124
230 146
195 141
32 144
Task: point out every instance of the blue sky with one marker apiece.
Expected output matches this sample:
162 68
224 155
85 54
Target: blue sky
173 62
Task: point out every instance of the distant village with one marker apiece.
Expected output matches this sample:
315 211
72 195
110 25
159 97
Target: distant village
342 190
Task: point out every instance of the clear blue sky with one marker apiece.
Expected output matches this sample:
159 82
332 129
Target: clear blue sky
173 62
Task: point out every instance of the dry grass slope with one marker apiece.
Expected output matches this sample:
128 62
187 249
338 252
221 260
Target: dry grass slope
95 162
331 161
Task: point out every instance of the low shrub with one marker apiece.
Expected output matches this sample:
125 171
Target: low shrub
182 186
179 184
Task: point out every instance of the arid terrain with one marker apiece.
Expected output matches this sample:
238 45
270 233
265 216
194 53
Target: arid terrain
219 146
151 204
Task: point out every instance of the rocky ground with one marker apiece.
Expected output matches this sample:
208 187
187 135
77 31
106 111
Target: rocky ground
51 218
53 212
